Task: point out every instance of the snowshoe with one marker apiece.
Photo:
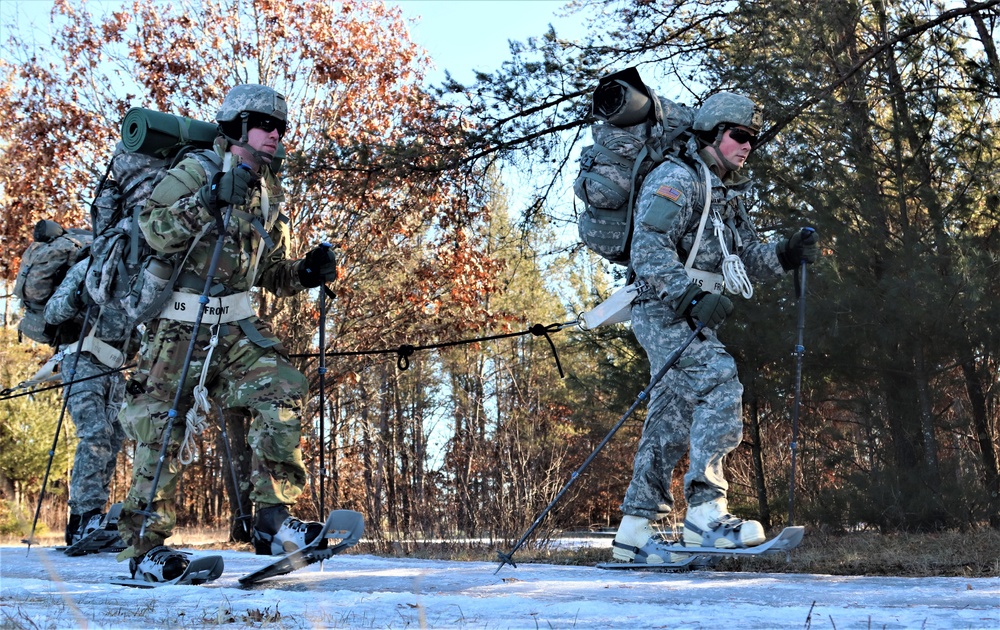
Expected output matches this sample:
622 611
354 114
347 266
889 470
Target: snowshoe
711 525
98 533
683 562
162 565
343 525
653 551
87 523
276 533
697 557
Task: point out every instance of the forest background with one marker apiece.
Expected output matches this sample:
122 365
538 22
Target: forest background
455 234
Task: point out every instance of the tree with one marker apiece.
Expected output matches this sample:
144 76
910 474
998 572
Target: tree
880 133
402 231
28 427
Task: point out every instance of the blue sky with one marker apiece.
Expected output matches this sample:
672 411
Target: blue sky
460 35
463 35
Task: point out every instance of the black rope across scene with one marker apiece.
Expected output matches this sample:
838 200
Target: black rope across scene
405 351
8 393
403 354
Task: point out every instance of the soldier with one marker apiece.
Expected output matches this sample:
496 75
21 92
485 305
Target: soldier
244 365
696 406
94 401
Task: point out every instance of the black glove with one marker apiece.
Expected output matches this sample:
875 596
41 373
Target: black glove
709 308
231 188
318 267
802 245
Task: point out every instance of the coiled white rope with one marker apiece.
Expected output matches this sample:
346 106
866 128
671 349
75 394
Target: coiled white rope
733 270
197 415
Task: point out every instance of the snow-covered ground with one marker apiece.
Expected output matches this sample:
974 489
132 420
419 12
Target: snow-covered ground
46 589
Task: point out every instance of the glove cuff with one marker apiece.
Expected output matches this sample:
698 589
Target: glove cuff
692 295
310 278
781 249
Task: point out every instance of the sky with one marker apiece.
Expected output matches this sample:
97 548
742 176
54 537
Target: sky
460 35
46 589
467 35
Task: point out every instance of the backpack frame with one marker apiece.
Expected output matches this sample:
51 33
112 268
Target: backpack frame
636 131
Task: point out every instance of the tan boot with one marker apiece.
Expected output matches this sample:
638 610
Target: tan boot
711 525
637 542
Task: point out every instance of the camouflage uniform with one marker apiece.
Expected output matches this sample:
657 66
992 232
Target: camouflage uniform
93 404
696 406
249 368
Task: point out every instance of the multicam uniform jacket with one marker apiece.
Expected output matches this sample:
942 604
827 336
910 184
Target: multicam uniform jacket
248 369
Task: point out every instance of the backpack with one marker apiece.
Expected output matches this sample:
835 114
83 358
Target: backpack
125 272
43 266
636 131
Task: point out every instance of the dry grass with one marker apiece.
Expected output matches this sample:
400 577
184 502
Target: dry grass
969 554
961 554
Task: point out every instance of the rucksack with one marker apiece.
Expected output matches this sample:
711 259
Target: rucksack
125 272
43 266
636 130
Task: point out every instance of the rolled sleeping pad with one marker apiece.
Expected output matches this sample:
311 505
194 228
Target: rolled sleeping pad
157 134
621 98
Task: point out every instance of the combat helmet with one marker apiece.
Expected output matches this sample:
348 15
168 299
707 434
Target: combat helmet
727 107
252 98
248 106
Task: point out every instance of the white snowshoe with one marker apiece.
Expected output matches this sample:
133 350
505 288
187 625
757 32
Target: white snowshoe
89 523
160 564
344 526
276 533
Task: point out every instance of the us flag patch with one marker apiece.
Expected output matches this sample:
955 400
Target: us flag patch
668 192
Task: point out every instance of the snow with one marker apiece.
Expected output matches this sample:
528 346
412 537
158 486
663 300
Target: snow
46 589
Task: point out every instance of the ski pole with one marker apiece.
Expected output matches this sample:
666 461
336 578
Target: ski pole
62 414
172 414
508 558
322 394
800 291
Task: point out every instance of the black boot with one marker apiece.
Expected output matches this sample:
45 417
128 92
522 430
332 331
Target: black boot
275 532
71 527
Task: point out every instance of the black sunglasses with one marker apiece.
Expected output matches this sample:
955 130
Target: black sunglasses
267 124
742 136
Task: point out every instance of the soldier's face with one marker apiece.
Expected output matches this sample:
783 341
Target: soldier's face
263 141
736 150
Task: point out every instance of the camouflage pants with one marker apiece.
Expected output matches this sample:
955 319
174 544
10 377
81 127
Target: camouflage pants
695 408
241 375
93 405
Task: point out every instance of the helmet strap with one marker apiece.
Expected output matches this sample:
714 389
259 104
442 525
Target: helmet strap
244 119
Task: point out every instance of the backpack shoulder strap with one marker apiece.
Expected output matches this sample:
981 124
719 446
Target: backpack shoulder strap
704 218
208 159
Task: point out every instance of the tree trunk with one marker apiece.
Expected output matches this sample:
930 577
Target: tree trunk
987 442
927 420
756 452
